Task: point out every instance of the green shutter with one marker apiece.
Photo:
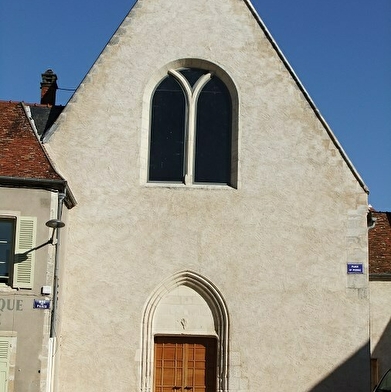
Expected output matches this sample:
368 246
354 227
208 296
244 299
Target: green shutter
4 363
24 265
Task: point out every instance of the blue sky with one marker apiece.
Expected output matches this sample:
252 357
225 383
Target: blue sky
340 50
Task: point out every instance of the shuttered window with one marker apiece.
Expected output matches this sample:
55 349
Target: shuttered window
24 263
5 349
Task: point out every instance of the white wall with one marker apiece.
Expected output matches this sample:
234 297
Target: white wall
276 247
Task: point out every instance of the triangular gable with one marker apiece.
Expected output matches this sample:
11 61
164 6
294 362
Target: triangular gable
129 19
306 94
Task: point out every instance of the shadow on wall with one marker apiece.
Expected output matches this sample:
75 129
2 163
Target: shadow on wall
382 351
351 376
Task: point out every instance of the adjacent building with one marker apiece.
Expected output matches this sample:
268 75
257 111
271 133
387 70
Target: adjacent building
32 194
380 292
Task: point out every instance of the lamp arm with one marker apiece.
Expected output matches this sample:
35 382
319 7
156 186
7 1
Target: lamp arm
49 241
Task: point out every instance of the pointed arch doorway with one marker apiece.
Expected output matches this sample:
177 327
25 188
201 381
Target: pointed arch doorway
185 337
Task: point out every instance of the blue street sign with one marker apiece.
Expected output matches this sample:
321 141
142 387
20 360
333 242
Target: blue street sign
41 304
355 268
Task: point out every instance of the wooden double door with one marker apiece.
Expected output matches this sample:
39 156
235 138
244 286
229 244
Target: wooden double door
185 364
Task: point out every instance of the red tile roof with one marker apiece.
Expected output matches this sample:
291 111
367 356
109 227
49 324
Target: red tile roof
379 238
21 153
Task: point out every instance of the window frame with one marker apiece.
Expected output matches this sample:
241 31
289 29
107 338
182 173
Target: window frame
188 182
11 262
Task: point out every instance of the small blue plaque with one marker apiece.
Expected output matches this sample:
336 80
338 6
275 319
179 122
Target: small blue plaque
355 268
41 304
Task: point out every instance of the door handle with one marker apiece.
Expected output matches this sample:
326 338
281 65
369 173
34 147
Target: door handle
176 388
188 388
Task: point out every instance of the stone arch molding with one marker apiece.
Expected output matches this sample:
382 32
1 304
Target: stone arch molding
149 89
213 298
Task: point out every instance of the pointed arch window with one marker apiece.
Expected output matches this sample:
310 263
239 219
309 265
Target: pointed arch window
191 133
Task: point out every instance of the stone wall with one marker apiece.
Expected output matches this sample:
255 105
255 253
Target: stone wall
276 247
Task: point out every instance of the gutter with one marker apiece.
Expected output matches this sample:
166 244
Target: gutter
380 277
40 183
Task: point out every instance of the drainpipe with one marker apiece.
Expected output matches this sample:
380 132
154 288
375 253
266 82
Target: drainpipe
371 220
61 198
51 386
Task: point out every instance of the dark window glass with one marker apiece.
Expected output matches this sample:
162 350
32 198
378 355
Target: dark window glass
166 161
213 130
213 134
7 238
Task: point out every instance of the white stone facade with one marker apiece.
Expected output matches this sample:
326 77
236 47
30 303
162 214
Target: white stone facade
263 263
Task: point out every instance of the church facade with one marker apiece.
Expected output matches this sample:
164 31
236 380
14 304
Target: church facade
219 242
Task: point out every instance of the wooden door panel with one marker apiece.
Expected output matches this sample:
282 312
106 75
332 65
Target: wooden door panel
185 364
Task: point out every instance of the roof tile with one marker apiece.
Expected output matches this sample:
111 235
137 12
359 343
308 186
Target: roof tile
21 153
379 238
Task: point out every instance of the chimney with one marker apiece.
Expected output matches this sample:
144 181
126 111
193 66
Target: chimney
48 88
